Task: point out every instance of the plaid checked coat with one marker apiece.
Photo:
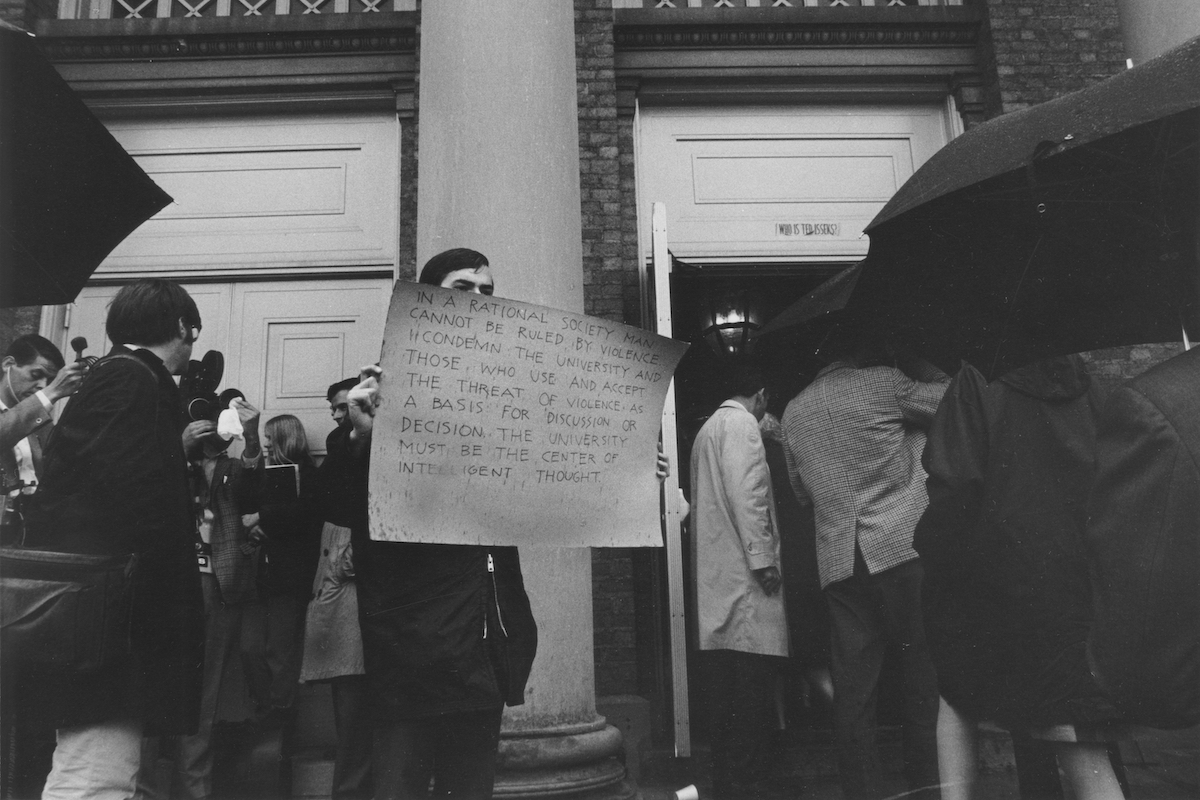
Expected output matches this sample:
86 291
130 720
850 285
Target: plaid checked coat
233 564
853 441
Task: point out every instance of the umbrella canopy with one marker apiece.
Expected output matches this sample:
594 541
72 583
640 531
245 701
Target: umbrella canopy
1065 227
832 295
69 193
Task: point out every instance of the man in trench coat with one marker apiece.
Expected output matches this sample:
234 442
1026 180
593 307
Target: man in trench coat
739 601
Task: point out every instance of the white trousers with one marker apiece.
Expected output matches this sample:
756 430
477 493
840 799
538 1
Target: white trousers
96 762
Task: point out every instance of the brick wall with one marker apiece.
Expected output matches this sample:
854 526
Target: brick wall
16 322
604 295
599 180
407 255
1037 50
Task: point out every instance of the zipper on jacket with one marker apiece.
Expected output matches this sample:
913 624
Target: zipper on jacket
495 596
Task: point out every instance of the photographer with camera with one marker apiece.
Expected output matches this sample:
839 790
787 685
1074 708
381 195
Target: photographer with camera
116 484
227 566
34 379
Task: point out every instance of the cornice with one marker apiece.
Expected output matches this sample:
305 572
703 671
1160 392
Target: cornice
230 45
792 35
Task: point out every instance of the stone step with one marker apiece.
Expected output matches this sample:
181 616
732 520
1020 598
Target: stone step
810 753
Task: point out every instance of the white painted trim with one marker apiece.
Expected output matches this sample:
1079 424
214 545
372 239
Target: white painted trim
672 511
954 121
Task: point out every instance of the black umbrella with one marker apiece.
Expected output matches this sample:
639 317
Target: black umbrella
1065 227
832 295
69 193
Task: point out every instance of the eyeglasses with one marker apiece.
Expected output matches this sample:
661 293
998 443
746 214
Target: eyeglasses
193 333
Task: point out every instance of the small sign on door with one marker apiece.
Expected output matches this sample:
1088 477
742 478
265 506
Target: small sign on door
790 229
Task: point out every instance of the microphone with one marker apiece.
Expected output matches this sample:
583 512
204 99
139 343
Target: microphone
79 344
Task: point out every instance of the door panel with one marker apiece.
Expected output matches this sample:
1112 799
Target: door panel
296 338
264 196
789 184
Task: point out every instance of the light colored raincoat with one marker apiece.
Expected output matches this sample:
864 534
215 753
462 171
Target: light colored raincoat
332 639
734 532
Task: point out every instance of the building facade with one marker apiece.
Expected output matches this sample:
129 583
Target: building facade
772 131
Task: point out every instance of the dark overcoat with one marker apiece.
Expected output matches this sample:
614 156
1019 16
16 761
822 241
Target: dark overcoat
1007 598
1144 538
293 528
115 481
446 628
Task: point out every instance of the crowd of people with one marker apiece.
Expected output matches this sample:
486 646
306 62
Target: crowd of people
258 566
951 521
975 528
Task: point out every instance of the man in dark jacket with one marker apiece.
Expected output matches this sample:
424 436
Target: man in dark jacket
448 635
115 482
1144 540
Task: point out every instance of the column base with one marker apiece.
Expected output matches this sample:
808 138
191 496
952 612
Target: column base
575 761
603 781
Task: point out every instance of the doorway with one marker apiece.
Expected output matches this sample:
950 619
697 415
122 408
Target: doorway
767 201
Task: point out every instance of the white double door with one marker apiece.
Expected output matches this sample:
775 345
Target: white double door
284 342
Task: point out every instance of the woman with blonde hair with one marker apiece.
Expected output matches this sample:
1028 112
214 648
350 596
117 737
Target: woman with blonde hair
288 531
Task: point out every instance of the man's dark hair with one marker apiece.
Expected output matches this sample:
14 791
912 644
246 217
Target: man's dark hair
340 386
856 341
441 265
148 312
28 348
746 380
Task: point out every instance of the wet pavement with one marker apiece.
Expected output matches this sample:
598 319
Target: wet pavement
1159 766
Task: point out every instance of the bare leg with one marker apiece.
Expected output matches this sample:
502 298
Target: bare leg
1088 770
956 747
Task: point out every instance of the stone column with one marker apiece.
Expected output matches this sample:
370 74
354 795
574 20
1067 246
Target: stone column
498 172
1151 27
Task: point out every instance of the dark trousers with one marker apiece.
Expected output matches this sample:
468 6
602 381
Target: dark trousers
352 719
25 751
867 612
272 648
741 688
456 751
194 759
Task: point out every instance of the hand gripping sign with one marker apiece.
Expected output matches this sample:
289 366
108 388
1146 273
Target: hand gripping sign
507 423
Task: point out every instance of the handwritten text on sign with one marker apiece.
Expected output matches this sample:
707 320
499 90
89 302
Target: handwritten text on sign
509 423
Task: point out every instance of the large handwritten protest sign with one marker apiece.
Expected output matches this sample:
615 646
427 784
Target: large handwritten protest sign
508 423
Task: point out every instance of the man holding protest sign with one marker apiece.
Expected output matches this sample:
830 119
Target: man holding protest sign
448 635
545 420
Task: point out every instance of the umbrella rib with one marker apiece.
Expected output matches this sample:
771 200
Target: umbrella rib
1012 303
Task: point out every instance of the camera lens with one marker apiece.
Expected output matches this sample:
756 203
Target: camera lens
199 408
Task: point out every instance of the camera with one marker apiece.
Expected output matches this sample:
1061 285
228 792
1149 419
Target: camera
198 388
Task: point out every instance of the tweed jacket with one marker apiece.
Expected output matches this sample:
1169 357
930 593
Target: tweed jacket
233 566
853 441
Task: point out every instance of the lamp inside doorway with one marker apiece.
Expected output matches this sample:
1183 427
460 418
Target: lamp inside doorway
729 321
